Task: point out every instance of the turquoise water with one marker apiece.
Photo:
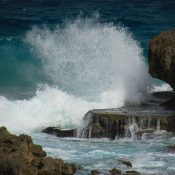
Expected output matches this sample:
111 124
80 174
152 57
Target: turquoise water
59 59
147 156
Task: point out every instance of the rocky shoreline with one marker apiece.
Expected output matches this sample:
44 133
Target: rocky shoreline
124 122
19 156
157 112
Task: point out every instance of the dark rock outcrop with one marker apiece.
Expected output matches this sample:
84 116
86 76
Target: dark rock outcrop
19 156
162 57
128 121
132 172
125 161
170 104
115 171
118 123
60 133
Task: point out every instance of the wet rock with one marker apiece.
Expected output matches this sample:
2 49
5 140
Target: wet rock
170 104
59 133
19 156
162 57
125 161
132 172
115 123
139 134
103 124
115 171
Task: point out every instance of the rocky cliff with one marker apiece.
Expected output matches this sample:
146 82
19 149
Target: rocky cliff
162 57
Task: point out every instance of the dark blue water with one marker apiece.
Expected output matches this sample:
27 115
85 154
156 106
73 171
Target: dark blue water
18 67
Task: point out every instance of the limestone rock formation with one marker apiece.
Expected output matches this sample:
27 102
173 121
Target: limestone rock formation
19 156
162 57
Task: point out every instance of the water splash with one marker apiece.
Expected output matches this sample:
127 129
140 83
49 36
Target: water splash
90 59
91 65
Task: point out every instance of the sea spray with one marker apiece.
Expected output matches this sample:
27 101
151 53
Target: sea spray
91 65
87 58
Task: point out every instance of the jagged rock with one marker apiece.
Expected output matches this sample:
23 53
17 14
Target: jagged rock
115 171
115 123
59 133
19 156
162 57
125 161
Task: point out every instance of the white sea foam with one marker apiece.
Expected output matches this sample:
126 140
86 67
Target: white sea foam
98 154
92 65
162 87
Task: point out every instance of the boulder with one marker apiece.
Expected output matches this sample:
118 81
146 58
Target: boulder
19 156
115 171
125 161
170 104
161 57
59 133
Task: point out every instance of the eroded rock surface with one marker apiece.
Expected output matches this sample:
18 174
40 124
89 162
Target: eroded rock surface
118 123
19 156
162 57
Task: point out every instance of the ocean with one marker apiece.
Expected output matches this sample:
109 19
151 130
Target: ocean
59 59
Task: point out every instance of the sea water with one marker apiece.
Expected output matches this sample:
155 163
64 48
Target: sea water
148 156
59 59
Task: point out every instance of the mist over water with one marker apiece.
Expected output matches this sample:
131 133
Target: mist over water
91 65
86 58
